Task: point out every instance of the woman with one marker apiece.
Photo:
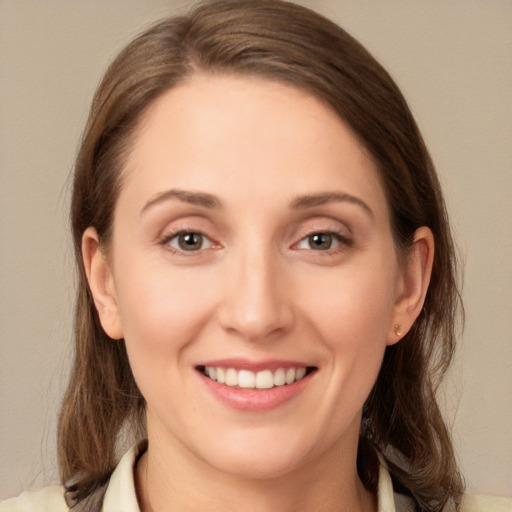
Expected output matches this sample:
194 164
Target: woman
267 288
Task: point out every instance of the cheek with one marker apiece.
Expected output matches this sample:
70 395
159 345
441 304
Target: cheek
162 314
162 311
350 312
352 305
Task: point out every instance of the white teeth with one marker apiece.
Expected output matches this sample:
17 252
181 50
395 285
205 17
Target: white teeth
231 377
290 375
279 377
264 380
299 374
246 379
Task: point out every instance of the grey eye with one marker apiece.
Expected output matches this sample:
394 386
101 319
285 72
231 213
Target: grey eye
319 242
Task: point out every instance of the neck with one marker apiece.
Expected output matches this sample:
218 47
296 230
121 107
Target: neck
168 481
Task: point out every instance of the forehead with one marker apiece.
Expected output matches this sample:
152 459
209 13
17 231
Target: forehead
258 138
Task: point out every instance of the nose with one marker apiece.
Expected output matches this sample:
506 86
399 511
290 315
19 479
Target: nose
257 301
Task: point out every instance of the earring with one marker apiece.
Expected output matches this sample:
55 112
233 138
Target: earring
396 327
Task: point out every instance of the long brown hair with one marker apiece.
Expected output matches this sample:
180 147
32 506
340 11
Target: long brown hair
279 41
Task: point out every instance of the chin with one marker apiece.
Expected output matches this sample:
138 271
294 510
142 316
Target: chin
259 457
261 467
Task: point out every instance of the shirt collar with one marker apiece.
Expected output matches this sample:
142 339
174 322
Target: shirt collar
385 497
120 494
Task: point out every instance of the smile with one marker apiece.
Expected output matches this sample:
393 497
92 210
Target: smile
247 379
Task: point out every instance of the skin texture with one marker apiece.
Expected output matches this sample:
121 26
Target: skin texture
255 289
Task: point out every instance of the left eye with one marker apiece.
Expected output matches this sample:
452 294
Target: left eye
319 242
189 241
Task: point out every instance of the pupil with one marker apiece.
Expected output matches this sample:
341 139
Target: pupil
320 241
190 241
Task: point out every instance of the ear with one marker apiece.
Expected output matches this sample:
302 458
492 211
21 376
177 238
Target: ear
101 284
413 285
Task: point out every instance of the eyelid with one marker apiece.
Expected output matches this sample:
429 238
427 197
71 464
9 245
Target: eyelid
324 224
343 240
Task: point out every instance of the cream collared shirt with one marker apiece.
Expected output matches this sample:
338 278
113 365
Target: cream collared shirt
120 495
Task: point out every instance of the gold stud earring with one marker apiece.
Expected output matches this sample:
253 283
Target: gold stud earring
396 327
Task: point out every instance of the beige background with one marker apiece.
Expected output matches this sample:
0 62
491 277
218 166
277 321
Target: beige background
453 60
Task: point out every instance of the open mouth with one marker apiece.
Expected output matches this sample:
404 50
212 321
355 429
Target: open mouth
247 379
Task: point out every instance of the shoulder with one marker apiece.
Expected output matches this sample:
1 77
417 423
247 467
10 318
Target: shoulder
390 501
481 503
470 503
119 494
49 499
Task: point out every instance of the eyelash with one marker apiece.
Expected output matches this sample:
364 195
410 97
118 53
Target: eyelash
343 242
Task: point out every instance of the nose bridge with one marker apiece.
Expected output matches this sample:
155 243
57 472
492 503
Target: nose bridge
256 300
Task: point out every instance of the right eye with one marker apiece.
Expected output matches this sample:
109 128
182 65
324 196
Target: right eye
188 241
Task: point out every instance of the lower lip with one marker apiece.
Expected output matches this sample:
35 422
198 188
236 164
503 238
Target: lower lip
256 399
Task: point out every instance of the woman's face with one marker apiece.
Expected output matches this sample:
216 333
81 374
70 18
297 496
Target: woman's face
251 245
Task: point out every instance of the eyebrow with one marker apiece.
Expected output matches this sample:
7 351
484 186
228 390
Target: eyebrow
211 202
196 198
310 201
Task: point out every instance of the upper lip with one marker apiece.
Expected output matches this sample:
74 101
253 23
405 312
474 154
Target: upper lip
255 366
